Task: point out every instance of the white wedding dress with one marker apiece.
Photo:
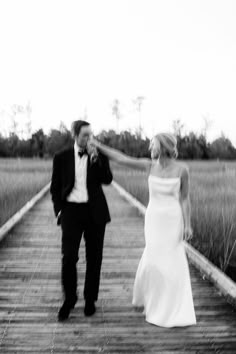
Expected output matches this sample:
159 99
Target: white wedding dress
162 283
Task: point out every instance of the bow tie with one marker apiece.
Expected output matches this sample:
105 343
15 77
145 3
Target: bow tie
82 152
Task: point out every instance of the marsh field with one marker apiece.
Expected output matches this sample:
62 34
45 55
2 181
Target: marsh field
213 199
213 206
20 180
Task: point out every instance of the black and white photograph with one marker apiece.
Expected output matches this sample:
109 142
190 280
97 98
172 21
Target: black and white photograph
118 176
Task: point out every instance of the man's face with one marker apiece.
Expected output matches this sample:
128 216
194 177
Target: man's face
83 137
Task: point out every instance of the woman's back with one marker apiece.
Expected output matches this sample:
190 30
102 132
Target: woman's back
173 169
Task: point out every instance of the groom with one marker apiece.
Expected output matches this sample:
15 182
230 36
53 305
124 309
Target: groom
81 209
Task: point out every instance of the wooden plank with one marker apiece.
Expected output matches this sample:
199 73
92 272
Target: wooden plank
4 229
226 286
30 294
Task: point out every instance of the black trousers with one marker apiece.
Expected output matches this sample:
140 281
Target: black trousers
75 222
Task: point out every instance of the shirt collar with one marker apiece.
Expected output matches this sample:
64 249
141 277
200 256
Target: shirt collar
77 149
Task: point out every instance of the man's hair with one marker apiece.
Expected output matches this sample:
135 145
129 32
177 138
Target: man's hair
76 127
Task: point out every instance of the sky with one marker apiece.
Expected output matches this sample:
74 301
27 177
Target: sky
74 57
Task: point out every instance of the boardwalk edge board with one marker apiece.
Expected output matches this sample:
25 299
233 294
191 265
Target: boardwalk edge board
221 281
5 228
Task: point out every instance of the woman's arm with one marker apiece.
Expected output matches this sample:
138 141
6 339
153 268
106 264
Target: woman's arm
143 164
185 203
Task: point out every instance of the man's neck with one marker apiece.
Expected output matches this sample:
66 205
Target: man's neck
79 147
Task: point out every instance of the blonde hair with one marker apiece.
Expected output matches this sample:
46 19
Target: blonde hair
163 145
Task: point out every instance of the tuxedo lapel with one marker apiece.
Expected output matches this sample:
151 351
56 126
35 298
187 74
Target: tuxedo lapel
88 168
71 166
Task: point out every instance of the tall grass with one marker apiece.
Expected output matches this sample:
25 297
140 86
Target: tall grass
212 193
213 201
20 180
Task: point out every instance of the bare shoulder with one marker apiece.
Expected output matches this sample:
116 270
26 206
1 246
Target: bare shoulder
183 169
149 162
146 161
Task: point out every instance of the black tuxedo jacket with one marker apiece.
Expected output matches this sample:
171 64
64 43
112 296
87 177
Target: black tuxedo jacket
63 178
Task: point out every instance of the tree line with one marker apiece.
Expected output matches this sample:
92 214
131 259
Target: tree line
190 146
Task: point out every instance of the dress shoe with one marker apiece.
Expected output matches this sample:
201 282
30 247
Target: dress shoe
89 308
64 311
74 302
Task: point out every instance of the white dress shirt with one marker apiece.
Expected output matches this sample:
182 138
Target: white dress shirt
79 193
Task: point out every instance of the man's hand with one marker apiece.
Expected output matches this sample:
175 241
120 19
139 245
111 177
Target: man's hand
92 151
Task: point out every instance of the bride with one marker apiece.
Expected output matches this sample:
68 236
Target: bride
162 286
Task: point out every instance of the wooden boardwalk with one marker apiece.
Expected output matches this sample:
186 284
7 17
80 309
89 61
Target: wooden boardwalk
30 295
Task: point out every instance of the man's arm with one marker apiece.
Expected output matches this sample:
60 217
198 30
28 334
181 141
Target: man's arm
105 173
55 188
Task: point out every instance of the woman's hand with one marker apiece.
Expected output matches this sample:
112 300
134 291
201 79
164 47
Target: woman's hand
188 233
93 142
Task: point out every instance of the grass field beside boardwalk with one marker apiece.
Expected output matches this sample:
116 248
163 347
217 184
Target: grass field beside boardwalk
213 200
20 180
